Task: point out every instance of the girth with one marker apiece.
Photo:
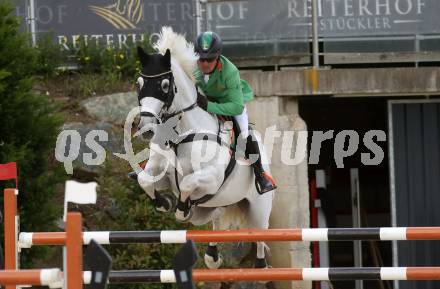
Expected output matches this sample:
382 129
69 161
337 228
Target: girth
206 137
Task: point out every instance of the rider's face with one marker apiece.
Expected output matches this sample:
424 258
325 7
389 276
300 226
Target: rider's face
207 65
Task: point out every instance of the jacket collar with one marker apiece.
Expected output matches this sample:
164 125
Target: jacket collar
219 64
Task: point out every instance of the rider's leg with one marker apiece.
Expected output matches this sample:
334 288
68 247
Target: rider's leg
264 181
247 145
243 124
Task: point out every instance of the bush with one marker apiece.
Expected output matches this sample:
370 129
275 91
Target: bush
95 57
49 56
28 131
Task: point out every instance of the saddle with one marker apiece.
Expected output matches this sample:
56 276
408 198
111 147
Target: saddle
235 130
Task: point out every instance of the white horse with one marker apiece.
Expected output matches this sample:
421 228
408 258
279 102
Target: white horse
167 91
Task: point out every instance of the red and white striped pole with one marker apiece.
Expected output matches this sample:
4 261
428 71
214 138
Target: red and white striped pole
43 277
280 274
26 240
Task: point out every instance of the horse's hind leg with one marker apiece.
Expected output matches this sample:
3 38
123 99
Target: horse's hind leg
260 207
260 261
213 259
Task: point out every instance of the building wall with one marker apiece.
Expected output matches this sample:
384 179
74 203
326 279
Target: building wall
291 202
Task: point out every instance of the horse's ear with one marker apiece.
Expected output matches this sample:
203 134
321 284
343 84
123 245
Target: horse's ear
166 60
143 56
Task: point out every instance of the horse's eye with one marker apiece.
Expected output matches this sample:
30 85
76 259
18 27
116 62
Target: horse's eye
165 85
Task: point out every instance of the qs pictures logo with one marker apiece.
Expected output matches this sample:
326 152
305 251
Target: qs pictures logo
123 14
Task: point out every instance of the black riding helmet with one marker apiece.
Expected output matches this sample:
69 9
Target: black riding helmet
208 45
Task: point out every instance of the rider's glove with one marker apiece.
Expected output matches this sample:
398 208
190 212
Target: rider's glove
202 101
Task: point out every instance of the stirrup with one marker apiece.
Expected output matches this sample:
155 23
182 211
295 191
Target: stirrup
270 178
270 183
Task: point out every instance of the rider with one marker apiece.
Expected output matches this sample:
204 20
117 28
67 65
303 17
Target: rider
226 94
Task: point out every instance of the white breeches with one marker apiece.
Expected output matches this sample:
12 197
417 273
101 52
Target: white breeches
243 123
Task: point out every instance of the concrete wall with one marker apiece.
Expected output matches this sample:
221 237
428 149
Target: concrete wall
346 82
291 203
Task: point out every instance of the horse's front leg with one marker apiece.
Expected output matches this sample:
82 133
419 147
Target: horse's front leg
152 180
205 181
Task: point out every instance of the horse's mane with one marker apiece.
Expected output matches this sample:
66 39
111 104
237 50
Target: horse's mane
181 50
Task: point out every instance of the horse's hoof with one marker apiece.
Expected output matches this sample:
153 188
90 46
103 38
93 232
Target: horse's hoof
260 263
164 203
211 263
162 209
182 217
133 175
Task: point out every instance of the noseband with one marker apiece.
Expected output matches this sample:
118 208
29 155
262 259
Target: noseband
166 98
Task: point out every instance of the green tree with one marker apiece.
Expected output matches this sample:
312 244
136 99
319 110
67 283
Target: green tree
29 126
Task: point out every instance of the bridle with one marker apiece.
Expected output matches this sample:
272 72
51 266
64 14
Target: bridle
166 97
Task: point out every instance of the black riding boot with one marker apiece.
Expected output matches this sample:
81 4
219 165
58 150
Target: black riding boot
265 183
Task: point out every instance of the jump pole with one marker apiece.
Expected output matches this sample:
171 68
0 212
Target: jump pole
281 274
26 240
43 277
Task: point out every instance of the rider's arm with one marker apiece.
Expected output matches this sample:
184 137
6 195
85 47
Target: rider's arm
235 103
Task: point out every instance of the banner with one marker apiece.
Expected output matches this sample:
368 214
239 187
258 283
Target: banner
113 22
116 22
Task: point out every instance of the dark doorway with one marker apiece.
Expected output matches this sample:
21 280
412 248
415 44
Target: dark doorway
359 115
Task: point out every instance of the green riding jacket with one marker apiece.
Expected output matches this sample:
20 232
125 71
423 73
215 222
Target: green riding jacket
226 92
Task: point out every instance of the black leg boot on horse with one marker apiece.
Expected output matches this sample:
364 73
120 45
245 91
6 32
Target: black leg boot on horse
265 183
133 175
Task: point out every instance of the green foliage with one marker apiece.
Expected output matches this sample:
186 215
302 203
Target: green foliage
89 57
88 84
93 57
28 131
49 56
99 69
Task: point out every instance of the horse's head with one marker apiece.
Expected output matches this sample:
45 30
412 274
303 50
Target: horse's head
156 88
